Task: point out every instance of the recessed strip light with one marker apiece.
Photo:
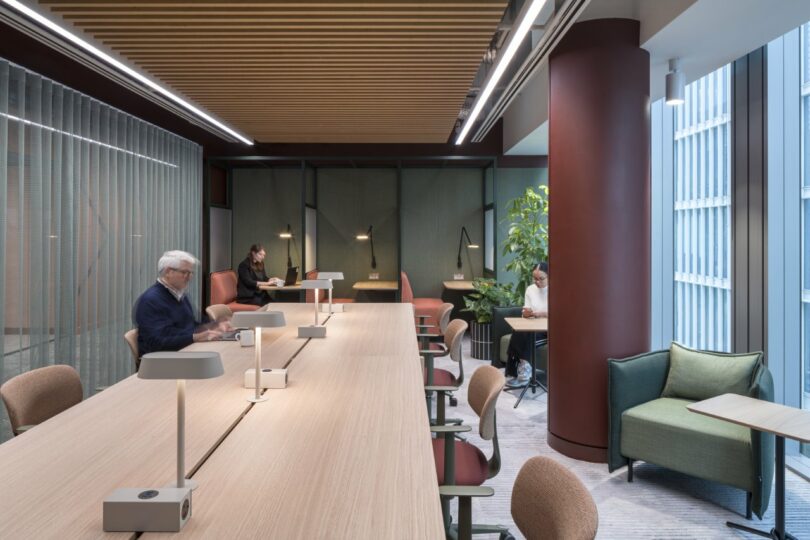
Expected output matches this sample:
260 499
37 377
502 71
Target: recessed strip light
70 36
85 139
517 38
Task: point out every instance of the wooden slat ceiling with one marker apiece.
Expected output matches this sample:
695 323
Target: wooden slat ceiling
306 71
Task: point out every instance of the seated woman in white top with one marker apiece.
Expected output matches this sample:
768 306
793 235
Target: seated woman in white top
535 304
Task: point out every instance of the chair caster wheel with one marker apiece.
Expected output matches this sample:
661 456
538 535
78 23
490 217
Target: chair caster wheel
453 401
506 536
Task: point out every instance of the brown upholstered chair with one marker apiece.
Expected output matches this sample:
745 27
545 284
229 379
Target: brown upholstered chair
550 502
462 467
424 308
219 312
442 378
223 291
131 338
37 395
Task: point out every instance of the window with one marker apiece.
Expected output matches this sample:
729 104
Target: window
702 219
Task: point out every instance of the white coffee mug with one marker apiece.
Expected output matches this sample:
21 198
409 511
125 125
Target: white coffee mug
246 338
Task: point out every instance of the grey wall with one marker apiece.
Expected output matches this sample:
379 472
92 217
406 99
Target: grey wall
436 203
349 200
510 184
264 202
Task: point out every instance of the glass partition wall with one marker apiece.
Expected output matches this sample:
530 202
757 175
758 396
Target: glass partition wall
90 198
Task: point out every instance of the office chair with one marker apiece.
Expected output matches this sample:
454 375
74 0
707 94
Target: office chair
461 467
37 395
549 502
453 339
131 338
218 312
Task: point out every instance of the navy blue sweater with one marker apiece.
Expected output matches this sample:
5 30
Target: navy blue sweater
164 323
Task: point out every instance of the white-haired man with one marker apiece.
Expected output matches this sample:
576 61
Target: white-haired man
163 313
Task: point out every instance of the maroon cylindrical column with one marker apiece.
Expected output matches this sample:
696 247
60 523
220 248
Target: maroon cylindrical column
599 224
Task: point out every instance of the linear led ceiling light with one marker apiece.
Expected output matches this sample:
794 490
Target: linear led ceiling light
517 38
95 51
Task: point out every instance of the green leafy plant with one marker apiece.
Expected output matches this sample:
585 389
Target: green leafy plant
527 238
489 294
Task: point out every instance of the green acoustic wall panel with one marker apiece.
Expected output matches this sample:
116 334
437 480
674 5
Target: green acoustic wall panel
510 184
436 203
264 202
349 200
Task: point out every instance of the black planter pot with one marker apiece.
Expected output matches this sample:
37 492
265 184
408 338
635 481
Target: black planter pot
481 340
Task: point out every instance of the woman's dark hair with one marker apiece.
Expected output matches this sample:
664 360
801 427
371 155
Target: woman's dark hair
254 249
542 266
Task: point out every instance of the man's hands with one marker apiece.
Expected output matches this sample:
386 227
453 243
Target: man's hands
527 313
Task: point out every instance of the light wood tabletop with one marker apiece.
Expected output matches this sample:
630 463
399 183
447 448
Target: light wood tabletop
376 285
788 422
458 285
535 324
54 478
336 454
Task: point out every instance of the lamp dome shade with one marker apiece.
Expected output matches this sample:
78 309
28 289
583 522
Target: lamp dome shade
181 365
258 319
316 284
330 275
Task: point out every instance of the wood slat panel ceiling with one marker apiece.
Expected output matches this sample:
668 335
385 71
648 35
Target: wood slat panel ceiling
306 71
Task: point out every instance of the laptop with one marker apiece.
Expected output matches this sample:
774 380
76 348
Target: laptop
291 277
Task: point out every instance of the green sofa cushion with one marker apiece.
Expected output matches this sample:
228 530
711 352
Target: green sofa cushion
504 354
702 375
665 432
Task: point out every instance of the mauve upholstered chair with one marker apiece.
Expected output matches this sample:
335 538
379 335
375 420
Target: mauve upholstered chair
131 337
427 308
223 291
461 467
550 502
37 395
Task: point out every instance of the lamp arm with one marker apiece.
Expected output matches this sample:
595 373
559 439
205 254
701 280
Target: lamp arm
371 240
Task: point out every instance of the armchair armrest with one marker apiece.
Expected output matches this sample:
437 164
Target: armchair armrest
441 388
426 326
631 381
762 444
441 352
466 491
450 429
430 336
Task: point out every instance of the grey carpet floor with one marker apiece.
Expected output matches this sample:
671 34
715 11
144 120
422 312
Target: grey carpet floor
658 504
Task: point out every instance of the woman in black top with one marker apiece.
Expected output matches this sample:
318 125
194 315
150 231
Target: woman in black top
251 275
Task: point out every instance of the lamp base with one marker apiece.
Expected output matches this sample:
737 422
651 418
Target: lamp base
257 399
336 308
312 331
188 483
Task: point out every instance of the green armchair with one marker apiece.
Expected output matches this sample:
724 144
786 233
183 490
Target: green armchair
501 332
648 419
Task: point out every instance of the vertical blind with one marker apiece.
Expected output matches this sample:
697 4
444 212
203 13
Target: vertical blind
89 199
804 92
702 158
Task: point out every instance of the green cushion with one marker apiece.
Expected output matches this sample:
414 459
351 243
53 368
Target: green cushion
702 375
665 432
505 348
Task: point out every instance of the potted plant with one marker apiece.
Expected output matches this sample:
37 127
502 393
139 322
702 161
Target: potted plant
488 294
527 238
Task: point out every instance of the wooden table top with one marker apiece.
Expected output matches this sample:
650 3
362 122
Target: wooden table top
54 478
788 422
458 285
336 454
376 285
296 287
315 445
536 324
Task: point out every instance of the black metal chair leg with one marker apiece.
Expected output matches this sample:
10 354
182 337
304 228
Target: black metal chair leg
629 470
748 500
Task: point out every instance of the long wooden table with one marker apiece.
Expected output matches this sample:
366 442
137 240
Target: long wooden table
54 478
342 452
